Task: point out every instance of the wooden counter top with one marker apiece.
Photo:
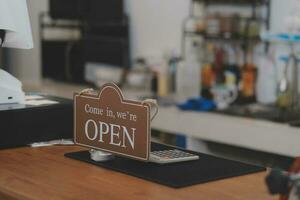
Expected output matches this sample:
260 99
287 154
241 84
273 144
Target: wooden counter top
44 173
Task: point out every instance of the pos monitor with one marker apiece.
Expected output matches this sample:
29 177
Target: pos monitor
15 32
14 22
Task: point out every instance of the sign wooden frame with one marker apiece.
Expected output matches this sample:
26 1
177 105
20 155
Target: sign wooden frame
111 97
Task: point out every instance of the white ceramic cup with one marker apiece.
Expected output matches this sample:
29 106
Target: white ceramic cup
224 96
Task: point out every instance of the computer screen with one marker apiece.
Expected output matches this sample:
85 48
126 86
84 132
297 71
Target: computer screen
14 20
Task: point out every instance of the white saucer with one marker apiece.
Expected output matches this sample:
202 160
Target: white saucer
98 156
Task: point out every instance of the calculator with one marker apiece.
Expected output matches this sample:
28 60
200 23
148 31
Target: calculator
171 156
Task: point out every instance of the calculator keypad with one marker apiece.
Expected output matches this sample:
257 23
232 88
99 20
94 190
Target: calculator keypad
171 156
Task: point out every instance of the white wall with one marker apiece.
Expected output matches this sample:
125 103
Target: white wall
156 25
280 9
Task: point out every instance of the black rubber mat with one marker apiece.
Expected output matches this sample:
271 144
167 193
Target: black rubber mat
177 175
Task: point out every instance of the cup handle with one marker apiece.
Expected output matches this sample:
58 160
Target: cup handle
234 95
152 103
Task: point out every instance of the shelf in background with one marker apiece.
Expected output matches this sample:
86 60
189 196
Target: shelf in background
223 37
235 2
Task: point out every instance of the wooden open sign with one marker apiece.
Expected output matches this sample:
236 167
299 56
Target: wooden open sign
106 121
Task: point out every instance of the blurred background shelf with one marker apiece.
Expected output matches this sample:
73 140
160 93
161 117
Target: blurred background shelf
235 2
229 23
75 33
223 37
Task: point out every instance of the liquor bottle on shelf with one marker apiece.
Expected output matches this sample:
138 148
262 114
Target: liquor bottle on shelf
248 80
207 71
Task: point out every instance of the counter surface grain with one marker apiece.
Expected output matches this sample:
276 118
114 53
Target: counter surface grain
44 173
